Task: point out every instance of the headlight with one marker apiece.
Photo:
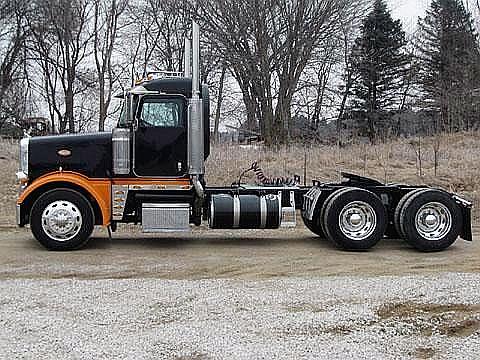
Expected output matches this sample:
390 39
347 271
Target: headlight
24 155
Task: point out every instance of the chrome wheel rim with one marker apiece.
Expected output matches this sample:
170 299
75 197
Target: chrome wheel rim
61 220
358 220
433 221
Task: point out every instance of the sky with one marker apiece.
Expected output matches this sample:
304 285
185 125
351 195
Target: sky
408 11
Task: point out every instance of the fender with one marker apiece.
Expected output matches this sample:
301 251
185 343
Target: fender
99 189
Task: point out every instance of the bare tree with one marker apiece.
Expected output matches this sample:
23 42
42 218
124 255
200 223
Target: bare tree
416 144
267 45
313 93
349 78
61 39
157 29
13 34
106 24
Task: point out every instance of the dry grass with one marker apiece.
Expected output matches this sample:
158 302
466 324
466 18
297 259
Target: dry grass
458 171
396 161
8 185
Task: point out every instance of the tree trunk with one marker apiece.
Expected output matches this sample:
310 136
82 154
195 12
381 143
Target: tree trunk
283 119
219 105
69 118
102 107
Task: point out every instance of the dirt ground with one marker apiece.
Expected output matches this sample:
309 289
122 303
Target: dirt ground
236 295
207 254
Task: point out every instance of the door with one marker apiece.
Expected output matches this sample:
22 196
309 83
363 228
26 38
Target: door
160 141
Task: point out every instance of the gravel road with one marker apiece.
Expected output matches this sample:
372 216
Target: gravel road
332 318
233 296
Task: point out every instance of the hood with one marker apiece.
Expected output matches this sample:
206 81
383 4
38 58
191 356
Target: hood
88 154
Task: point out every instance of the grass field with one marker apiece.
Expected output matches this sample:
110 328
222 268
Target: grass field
8 184
458 158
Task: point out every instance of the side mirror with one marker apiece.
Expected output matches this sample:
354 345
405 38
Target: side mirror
129 109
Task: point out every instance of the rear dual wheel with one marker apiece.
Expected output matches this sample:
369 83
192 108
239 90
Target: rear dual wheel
428 219
400 205
353 219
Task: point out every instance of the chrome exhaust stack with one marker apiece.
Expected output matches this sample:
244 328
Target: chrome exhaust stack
196 159
196 60
187 60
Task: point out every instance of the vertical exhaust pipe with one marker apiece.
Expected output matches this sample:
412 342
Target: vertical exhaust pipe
196 157
187 60
196 61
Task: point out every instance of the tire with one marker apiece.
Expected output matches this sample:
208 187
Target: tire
324 208
445 222
62 219
354 219
398 209
313 226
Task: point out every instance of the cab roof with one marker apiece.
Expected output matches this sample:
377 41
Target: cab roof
172 85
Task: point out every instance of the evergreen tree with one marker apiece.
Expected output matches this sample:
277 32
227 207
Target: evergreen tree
449 65
380 63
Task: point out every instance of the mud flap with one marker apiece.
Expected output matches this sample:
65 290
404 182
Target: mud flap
466 208
310 200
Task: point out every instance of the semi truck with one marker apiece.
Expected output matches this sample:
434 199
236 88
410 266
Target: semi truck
150 170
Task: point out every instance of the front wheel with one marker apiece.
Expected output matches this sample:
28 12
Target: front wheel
62 219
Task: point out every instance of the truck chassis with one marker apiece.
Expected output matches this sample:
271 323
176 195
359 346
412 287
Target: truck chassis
358 212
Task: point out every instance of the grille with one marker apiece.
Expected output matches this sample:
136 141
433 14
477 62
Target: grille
121 151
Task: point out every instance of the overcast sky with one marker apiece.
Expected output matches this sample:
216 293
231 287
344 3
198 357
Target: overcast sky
408 11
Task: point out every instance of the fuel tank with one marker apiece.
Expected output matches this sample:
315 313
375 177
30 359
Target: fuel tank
245 211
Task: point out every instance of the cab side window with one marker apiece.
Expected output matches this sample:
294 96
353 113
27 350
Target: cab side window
161 113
